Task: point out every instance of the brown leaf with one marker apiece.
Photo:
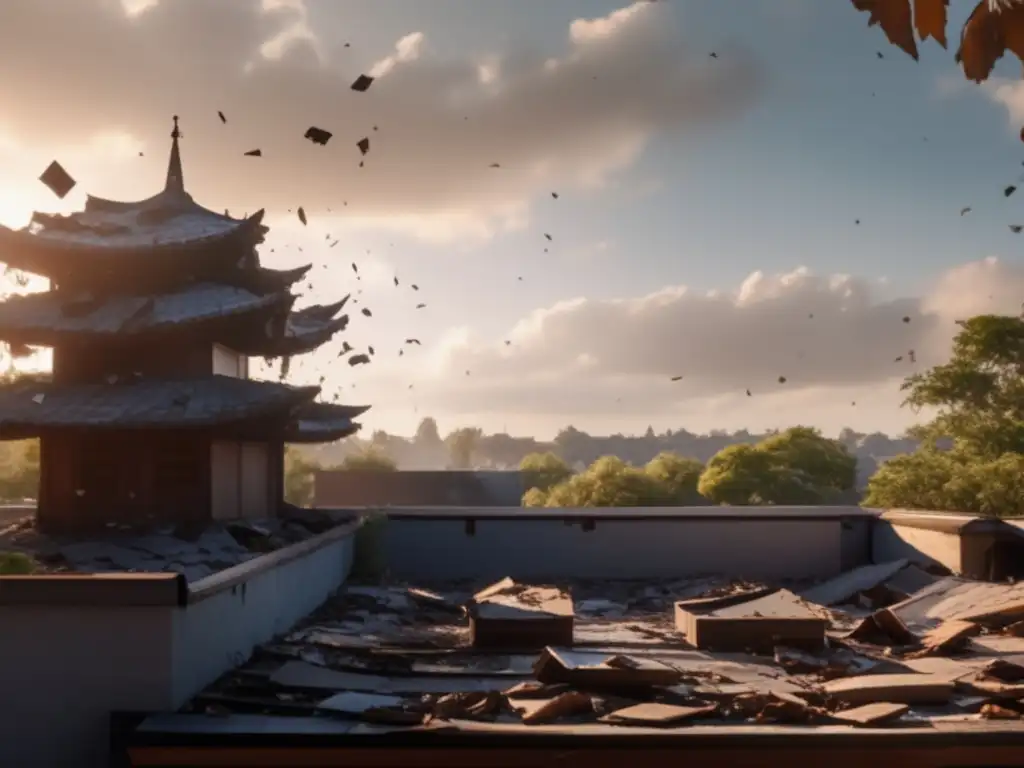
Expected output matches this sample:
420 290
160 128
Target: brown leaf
895 19
930 20
986 36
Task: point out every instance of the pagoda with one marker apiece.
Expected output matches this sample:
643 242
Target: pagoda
149 415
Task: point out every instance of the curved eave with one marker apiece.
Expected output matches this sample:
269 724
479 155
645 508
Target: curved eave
323 423
264 280
306 340
46 256
212 402
42 319
324 312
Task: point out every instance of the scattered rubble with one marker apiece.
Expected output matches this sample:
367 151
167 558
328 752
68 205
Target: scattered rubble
195 553
469 658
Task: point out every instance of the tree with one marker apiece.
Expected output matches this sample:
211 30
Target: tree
462 446
797 467
369 459
427 433
971 457
608 482
678 477
544 470
298 476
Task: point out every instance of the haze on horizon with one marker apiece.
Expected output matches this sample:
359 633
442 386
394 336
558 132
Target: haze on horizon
788 208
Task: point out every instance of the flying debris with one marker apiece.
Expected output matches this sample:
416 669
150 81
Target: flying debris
333 244
879 54
857 222
221 116
547 236
912 355
782 379
366 312
713 55
254 153
898 359
1009 190
364 145
677 378
371 351
1016 228
520 279
554 195
495 165
360 359
421 306
317 135
396 282
414 287
749 393
413 341
965 211
345 348
362 83
467 373
302 215
906 319
58 180
355 268
508 343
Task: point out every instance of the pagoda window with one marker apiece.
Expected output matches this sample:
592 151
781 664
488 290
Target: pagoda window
227 362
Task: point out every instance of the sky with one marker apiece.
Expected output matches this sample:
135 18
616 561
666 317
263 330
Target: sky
775 210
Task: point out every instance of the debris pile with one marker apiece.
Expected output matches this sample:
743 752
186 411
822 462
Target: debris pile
854 651
194 552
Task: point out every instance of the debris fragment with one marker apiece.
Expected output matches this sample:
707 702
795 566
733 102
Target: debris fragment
364 145
254 153
317 135
58 180
362 83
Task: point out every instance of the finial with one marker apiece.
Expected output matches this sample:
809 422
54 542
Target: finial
175 179
175 134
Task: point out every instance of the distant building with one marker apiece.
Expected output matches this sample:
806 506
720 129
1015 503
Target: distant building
150 414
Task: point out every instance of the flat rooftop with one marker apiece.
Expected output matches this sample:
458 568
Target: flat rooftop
195 552
886 647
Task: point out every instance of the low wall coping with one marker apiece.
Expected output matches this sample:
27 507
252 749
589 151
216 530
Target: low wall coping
154 589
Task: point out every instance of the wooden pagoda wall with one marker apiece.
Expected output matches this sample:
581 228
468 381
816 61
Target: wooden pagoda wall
92 479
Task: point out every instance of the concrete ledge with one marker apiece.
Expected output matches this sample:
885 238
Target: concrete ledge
95 589
231 577
629 514
440 543
89 645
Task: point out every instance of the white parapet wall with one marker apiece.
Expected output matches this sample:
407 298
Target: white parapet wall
75 649
432 543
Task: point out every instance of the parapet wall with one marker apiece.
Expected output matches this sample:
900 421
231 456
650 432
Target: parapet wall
432 543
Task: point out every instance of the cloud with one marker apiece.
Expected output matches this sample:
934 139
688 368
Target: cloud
443 118
826 334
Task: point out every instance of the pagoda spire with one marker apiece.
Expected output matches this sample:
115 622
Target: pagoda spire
175 178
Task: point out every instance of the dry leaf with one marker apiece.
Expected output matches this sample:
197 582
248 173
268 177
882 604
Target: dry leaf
930 20
895 19
987 34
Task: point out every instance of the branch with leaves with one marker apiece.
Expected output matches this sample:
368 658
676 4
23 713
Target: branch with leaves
993 28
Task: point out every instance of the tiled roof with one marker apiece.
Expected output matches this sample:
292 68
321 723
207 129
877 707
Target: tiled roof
26 408
167 219
44 315
305 331
324 422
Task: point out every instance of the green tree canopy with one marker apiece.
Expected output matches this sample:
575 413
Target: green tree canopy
462 446
544 470
298 476
369 459
667 480
678 477
978 397
798 466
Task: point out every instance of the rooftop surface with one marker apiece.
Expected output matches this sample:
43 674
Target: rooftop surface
884 646
195 553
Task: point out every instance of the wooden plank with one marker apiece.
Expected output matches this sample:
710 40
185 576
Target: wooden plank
873 714
895 689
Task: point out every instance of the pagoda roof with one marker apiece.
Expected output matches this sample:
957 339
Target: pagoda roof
323 422
29 408
169 221
266 280
40 318
305 330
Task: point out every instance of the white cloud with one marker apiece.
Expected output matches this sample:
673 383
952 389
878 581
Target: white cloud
834 338
443 117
